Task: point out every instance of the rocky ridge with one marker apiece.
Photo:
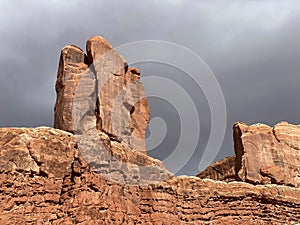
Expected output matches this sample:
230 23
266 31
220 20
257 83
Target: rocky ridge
39 186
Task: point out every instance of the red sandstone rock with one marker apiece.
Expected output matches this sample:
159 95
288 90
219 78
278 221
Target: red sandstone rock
268 155
72 66
223 170
99 90
28 151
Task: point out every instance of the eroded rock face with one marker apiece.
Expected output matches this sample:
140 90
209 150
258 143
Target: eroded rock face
268 155
36 152
45 180
98 90
222 170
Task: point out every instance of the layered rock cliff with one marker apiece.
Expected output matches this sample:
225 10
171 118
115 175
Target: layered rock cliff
89 171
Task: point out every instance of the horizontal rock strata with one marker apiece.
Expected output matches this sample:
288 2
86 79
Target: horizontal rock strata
44 180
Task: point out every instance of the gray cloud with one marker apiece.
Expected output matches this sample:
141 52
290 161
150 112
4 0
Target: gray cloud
251 46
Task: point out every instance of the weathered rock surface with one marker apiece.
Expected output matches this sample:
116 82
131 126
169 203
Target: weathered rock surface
98 90
72 66
45 180
268 155
222 170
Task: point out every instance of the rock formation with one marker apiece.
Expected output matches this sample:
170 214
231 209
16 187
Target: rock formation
92 169
264 155
268 155
99 89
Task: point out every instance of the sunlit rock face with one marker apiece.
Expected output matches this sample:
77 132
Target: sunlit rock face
268 155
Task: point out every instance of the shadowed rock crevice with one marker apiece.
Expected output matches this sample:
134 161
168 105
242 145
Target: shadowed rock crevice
273 130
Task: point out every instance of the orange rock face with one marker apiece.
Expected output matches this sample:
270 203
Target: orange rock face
98 90
268 155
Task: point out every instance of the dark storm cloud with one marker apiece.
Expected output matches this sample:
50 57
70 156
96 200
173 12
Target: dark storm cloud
251 46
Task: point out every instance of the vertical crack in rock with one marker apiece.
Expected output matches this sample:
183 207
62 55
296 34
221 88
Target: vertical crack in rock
274 133
97 103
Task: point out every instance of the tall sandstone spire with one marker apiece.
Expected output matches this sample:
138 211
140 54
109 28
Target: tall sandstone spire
100 89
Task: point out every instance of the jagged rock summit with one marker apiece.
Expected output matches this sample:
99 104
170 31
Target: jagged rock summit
64 176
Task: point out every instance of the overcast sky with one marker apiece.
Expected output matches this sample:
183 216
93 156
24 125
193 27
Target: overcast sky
252 47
